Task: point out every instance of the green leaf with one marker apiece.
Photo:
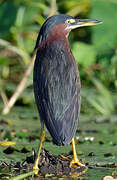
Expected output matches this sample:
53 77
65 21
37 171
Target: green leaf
105 94
3 61
102 101
22 176
7 17
104 36
85 54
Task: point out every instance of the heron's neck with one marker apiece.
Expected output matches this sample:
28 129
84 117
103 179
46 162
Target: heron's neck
57 33
55 38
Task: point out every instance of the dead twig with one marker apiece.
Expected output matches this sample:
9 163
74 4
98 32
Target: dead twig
19 88
53 8
4 97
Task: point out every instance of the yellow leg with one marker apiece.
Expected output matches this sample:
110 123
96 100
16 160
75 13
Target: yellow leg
35 166
75 162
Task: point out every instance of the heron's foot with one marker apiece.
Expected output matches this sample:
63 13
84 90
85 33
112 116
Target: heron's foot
35 169
35 166
75 163
64 158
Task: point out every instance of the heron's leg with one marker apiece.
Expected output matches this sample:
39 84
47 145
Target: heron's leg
75 161
35 166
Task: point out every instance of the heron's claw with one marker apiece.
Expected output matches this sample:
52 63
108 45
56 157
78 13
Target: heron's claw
75 163
64 158
35 170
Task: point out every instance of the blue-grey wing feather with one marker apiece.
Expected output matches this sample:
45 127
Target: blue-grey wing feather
57 91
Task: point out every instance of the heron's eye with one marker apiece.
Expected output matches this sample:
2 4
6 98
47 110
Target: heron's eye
68 21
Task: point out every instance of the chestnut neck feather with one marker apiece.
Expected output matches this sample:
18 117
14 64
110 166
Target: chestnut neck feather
58 32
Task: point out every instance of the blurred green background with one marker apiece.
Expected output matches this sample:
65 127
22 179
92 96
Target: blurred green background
94 48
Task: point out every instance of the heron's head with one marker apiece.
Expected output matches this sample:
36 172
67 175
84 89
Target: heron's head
62 24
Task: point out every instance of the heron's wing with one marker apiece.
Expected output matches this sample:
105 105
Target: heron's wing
57 91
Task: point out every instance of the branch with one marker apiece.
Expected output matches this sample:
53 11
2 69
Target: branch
19 88
4 97
53 8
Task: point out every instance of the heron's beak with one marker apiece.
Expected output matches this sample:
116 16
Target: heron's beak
87 22
84 22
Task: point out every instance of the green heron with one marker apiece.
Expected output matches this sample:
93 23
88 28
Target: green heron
57 82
